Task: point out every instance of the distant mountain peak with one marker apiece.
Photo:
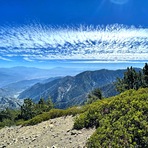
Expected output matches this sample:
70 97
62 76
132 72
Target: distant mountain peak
73 90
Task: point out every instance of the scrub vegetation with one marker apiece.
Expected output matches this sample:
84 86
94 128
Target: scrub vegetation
120 121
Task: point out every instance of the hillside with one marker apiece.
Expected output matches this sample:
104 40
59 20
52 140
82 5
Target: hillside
55 132
8 102
4 93
17 79
120 121
16 88
70 90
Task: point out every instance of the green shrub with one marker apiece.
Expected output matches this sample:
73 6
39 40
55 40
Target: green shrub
74 110
121 121
80 121
54 113
34 121
38 119
19 122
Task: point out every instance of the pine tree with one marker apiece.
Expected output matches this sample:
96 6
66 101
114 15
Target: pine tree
49 103
140 79
145 75
133 79
95 95
41 101
27 109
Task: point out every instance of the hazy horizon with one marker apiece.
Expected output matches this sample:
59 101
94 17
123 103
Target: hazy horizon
83 65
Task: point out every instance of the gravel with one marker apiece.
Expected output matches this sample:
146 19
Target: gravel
54 133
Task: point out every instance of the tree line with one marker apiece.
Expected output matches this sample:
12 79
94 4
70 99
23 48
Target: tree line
133 79
28 110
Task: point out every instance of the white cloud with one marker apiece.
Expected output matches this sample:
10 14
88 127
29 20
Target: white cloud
28 59
5 59
115 42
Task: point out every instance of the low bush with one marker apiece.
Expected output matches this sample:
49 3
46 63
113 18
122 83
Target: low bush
54 113
80 121
121 121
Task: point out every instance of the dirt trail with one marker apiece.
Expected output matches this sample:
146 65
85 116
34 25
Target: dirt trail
54 133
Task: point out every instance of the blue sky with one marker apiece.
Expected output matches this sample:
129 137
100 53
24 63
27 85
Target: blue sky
38 32
59 12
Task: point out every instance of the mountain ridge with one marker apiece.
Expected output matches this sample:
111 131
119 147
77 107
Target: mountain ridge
72 89
19 73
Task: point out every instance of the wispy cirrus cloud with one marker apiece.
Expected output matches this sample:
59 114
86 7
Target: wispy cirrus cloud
5 59
36 42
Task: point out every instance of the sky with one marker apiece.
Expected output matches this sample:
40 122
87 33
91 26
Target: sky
66 33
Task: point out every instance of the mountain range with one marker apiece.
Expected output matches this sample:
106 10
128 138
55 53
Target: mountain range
73 90
17 79
16 74
64 90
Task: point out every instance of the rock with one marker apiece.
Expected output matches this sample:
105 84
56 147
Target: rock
8 143
36 136
53 146
3 146
79 132
65 134
33 139
51 125
55 135
75 132
68 130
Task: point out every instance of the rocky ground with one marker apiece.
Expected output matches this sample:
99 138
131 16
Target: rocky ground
55 133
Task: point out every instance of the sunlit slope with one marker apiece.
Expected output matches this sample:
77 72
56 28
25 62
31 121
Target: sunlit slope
121 121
